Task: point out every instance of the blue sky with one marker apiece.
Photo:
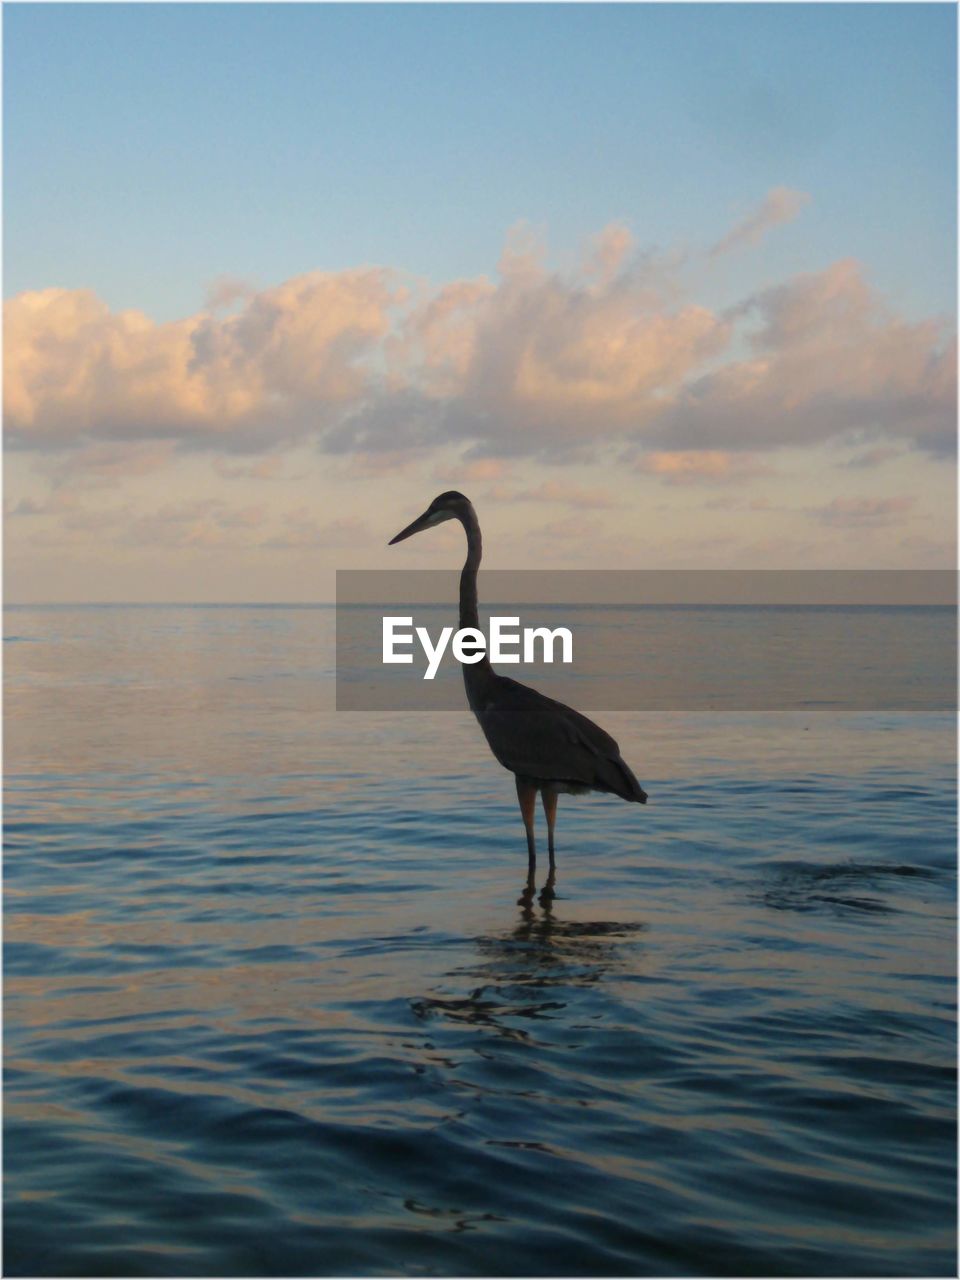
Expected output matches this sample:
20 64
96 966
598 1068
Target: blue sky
150 148
660 285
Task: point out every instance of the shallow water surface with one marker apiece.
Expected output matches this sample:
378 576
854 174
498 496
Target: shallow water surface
273 1006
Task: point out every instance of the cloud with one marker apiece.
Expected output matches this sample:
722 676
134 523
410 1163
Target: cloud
608 253
730 502
931 551
268 468
304 532
538 363
826 357
249 517
871 458
558 361
554 491
107 464
226 291
701 466
189 523
55 505
535 363
862 513
780 205
390 463
467 471
580 528
75 371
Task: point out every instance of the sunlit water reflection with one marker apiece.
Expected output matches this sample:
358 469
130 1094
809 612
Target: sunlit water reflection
273 1006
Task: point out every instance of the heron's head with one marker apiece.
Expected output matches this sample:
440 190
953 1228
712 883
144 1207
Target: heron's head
446 506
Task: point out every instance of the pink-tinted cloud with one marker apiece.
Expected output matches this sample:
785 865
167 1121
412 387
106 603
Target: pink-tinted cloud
386 463
554 491
701 466
269 468
189 523
570 528
228 291
731 502
303 531
871 458
608 253
828 358
74 370
57 504
863 513
103 465
536 363
780 205
540 363
470 470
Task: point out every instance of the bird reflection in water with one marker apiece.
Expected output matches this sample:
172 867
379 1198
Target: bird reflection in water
526 971
545 949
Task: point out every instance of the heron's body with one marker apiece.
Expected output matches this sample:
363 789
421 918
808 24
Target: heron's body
547 743
549 747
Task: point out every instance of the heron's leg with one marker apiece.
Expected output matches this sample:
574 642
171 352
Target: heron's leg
526 895
550 809
527 796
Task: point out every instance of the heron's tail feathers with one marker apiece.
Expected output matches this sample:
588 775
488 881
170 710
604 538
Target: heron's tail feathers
619 779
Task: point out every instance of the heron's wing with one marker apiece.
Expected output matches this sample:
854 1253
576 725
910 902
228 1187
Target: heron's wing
534 735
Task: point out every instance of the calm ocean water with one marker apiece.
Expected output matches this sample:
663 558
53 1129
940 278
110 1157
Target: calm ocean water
273 1007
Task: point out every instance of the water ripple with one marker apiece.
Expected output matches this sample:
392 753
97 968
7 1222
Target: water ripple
262 1020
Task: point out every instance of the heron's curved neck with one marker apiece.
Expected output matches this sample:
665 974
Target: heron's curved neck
469 611
477 676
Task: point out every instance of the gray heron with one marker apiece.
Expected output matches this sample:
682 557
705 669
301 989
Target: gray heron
547 746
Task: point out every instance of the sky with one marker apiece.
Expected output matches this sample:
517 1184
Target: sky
656 285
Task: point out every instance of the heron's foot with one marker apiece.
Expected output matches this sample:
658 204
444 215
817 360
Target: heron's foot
548 892
529 889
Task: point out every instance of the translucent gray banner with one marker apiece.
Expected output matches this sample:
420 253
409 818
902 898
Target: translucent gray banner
749 640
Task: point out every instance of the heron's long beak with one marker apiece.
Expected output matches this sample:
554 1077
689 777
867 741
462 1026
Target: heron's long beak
421 523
